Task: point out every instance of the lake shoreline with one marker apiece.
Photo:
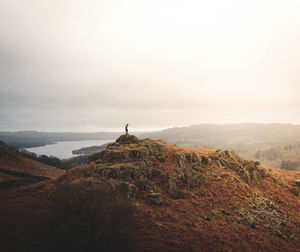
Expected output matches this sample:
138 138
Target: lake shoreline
63 149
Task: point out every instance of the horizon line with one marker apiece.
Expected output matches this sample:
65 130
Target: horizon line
137 129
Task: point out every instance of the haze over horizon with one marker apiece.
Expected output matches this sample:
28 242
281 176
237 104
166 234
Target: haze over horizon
96 65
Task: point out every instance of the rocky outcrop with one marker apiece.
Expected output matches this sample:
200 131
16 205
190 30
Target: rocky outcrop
131 161
141 165
250 171
265 215
187 175
134 161
127 139
130 149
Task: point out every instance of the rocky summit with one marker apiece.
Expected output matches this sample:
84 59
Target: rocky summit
191 199
200 199
127 139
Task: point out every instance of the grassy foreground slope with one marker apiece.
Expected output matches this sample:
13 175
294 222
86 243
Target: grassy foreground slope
184 199
16 169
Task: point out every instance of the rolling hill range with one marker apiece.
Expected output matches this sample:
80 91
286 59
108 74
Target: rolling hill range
270 143
25 139
146 195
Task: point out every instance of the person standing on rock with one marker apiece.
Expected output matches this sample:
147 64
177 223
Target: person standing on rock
126 128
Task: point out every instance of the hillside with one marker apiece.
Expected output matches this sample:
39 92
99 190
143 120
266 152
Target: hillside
186 199
270 143
90 150
16 169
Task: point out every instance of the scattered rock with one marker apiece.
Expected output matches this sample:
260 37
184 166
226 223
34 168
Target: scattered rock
130 190
250 171
206 161
223 211
297 182
294 191
257 163
225 175
159 225
219 164
155 198
265 215
204 217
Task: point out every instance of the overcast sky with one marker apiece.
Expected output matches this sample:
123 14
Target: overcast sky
95 65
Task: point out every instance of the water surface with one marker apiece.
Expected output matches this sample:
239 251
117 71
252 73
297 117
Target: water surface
64 149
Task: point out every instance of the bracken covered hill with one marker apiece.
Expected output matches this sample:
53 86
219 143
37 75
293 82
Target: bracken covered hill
16 169
191 199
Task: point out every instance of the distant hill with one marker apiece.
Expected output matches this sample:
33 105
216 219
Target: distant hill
90 150
270 143
146 195
26 139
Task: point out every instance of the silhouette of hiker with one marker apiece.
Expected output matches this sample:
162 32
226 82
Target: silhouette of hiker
126 128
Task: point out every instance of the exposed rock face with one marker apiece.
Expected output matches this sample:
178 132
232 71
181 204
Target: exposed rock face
135 161
187 176
250 171
265 215
128 160
130 190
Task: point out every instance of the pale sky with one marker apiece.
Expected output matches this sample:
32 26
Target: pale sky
90 65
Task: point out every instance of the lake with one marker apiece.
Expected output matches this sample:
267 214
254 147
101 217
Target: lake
63 150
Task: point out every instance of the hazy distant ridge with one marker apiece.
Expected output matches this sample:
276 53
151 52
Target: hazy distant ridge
26 139
270 143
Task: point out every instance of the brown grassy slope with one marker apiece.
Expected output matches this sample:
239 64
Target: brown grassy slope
11 160
210 219
212 201
253 208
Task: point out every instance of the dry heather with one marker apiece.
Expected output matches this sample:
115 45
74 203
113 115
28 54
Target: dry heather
16 170
190 199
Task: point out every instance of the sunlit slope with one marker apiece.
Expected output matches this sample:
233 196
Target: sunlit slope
187 199
198 198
